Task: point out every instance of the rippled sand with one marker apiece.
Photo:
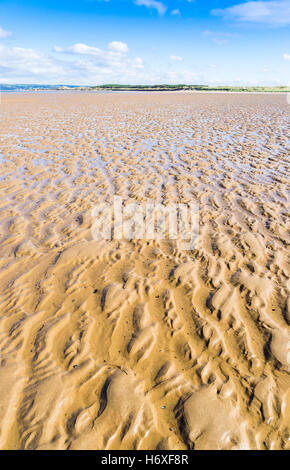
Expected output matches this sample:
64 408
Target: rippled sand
136 344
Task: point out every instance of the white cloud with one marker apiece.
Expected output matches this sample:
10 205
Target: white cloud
138 63
4 34
175 12
286 56
267 12
115 56
118 46
17 62
77 64
80 48
175 57
58 49
156 5
115 49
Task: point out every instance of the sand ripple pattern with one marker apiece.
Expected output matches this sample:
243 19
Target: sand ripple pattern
135 344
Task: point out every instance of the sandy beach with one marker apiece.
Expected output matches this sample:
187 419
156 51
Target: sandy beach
136 344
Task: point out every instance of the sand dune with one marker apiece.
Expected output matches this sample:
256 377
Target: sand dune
137 344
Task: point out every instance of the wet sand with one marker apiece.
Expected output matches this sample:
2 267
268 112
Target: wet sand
135 344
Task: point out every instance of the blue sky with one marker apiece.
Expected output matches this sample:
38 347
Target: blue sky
145 41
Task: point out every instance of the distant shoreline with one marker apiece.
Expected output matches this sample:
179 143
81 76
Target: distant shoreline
142 88
72 91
